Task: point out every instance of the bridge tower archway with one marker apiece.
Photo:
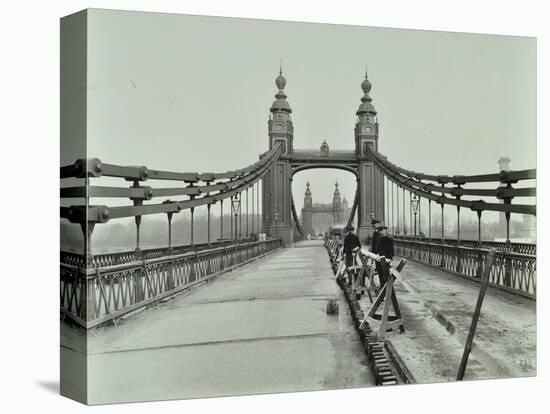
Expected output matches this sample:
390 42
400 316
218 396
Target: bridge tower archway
316 217
277 206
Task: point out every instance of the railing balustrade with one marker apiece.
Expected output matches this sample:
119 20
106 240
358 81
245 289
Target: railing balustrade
522 248
114 258
511 271
94 295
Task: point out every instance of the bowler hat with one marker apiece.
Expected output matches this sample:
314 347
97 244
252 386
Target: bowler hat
381 226
350 227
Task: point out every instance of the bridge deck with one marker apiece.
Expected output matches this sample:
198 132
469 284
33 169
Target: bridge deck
438 307
262 328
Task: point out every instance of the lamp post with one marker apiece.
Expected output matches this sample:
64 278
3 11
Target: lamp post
415 204
277 224
236 206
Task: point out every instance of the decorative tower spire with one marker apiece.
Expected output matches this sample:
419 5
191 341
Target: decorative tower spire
280 126
308 200
280 105
366 106
336 200
366 140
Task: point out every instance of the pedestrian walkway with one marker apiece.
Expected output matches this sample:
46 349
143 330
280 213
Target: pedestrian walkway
438 308
261 328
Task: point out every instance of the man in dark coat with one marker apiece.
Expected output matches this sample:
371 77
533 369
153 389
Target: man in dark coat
375 235
351 241
384 247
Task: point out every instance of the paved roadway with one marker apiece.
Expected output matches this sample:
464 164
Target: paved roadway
438 308
263 328
259 329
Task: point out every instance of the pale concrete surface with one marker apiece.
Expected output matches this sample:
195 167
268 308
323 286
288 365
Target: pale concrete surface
438 308
260 329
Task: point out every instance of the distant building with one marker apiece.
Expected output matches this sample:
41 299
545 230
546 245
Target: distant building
318 217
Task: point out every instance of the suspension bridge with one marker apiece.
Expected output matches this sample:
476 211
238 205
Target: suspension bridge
212 318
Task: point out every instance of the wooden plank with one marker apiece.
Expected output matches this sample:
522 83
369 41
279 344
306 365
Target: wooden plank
475 318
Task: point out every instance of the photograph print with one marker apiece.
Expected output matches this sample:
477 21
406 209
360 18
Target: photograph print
253 206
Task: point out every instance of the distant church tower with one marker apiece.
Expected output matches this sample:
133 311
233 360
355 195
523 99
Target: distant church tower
308 200
370 180
307 216
337 204
276 189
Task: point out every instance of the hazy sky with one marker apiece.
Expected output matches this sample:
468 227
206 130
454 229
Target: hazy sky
189 93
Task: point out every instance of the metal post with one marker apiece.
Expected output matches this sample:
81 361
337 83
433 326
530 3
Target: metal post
208 208
240 219
192 225
430 220
253 216
87 302
457 225
507 215
479 227
221 219
138 224
442 218
419 215
386 201
392 208
169 230
247 216
137 218
87 230
442 222
404 219
231 218
398 226
411 214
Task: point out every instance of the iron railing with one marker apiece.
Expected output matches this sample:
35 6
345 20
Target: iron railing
126 256
522 248
94 295
514 272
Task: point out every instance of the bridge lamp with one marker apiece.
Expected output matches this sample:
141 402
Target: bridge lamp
235 206
415 202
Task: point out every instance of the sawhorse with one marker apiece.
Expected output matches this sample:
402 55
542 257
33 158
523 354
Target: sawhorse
388 297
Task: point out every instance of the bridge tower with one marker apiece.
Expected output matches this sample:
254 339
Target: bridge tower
370 178
277 186
307 216
337 205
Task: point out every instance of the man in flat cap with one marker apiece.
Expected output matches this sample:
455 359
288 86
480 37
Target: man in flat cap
351 241
384 247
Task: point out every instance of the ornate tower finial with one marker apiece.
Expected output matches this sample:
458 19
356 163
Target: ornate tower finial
366 107
280 104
